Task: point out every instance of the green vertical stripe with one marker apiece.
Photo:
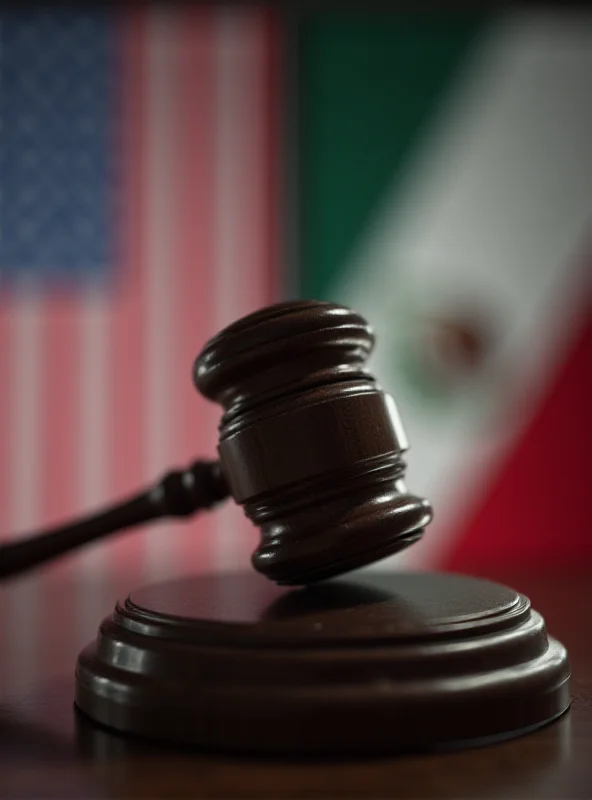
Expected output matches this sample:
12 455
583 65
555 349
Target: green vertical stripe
368 84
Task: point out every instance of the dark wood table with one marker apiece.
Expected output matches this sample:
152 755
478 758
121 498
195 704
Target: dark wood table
47 749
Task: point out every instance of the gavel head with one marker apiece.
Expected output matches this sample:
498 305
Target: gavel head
309 444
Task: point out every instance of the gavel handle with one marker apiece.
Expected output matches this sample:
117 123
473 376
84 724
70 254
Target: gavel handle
179 494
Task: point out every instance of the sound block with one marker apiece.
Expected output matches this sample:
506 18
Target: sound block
371 663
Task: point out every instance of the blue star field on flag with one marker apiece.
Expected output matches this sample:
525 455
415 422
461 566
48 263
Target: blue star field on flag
57 128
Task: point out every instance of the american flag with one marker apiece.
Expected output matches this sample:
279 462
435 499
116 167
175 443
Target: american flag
137 214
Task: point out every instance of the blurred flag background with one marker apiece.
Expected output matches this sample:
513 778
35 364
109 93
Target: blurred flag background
446 193
137 210
166 169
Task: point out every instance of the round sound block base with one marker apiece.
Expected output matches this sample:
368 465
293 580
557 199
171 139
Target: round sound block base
371 663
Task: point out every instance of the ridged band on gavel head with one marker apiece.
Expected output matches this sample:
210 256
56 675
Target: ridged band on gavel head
287 345
309 445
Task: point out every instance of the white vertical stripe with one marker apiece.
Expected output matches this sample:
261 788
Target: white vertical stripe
94 401
160 168
93 440
233 268
26 427
25 457
230 131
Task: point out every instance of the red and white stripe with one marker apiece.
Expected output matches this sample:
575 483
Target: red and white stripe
97 398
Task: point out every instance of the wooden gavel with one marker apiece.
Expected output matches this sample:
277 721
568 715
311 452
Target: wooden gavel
310 446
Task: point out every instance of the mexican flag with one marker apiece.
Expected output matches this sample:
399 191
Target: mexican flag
446 193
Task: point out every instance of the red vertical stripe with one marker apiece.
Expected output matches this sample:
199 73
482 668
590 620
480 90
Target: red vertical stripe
259 198
5 466
245 154
195 419
272 72
60 410
126 359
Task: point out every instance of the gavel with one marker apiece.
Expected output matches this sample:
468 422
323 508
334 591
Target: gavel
310 446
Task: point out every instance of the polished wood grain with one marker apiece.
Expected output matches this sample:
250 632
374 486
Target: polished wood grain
368 663
310 445
48 750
